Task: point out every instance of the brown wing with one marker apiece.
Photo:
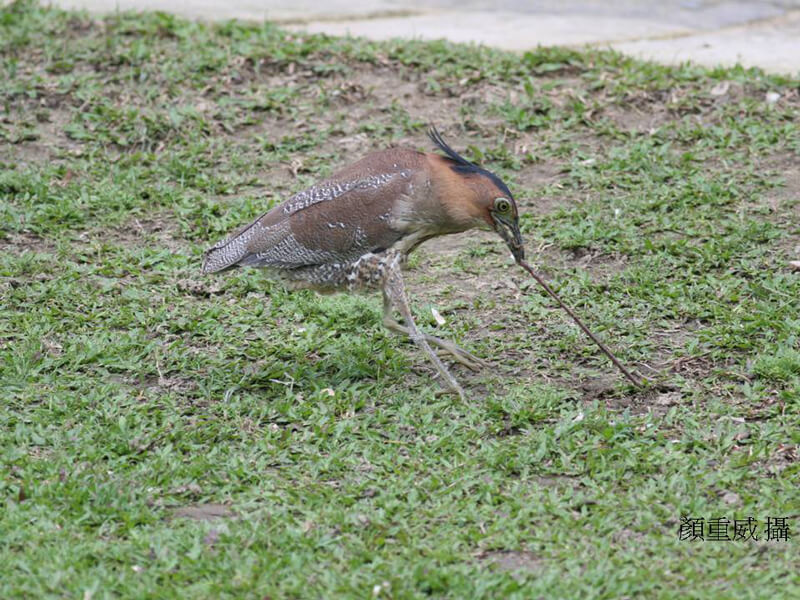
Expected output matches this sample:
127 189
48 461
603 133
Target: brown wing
335 221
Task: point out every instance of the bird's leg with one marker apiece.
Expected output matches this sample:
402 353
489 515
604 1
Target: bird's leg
460 355
394 293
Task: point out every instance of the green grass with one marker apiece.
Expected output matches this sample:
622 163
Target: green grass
133 386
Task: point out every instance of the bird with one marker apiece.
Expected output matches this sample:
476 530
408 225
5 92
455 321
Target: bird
354 231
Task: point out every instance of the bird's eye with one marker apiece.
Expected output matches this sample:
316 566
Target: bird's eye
502 205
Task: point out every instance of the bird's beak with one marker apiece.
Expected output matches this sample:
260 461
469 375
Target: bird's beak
509 231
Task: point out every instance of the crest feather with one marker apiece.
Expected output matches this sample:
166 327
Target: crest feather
462 164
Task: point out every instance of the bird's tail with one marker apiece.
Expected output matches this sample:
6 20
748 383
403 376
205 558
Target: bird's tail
229 252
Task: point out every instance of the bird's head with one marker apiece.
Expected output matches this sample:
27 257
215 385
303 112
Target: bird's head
489 202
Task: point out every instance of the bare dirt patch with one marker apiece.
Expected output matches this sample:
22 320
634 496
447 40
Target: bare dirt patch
633 119
26 241
784 201
512 560
203 512
158 229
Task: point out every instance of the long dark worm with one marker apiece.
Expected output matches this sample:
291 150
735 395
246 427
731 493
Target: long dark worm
585 329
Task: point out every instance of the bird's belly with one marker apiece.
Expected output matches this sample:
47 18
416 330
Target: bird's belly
366 272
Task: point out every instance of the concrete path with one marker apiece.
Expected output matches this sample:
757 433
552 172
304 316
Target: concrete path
760 33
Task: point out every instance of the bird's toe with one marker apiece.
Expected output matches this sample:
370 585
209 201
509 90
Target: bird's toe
458 354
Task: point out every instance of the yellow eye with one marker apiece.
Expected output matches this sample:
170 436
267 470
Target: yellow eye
502 205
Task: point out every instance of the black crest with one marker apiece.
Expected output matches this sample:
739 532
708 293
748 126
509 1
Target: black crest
462 164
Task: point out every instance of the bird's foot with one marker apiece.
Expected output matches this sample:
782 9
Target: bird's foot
455 390
457 353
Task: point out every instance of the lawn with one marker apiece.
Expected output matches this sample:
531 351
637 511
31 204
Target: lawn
166 434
